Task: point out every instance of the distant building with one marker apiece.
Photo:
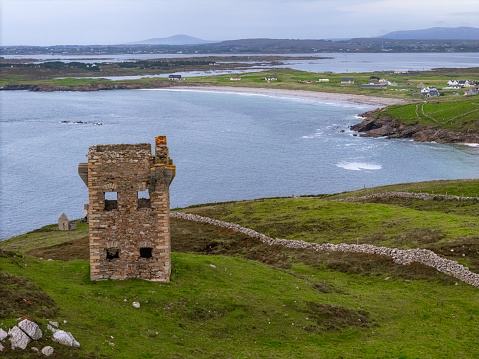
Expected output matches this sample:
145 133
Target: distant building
323 80
235 78
64 224
270 79
430 92
421 86
453 87
347 80
174 77
472 92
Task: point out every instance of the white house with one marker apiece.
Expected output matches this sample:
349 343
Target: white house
430 92
347 80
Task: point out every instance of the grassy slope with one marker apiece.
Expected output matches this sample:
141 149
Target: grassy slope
248 309
458 115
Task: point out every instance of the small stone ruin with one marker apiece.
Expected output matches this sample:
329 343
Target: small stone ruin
64 223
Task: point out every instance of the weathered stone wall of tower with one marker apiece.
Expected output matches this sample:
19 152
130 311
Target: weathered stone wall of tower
129 236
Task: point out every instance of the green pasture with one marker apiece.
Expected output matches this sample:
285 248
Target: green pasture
231 296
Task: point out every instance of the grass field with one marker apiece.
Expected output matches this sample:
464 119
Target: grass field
260 301
459 115
286 79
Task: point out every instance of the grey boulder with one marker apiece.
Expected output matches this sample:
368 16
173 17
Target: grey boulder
65 338
31 329
18 338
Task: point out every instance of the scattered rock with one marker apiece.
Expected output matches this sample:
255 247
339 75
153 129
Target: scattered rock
47 351
31 329
18 338
3 334
35 349
1 347
136 304
52 329
174 336
212 266
55 324
65 338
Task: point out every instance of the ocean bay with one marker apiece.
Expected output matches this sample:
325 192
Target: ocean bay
226 146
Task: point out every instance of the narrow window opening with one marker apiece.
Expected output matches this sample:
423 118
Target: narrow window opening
111 201
144 199
146 252
112 253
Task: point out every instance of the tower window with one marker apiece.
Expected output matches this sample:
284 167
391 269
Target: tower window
112 253
111 201
146 252
144 199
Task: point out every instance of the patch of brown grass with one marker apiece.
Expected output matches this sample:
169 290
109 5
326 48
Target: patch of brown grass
66 251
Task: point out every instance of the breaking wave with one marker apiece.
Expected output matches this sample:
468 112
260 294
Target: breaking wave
358 166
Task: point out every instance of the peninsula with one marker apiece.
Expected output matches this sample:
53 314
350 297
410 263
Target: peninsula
409 112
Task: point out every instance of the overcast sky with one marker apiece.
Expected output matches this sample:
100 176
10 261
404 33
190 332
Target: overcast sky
82 22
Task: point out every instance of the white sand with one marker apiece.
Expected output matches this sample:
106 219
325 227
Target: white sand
369 100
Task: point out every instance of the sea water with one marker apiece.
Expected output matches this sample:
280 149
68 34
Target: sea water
226 146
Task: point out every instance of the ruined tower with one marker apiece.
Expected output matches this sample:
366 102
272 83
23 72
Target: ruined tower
129 210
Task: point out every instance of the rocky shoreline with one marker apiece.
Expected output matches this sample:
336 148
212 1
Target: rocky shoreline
385 126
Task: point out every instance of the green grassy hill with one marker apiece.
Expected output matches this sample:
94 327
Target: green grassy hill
460 115
232 296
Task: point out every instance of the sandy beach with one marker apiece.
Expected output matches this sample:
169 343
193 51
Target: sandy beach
369 100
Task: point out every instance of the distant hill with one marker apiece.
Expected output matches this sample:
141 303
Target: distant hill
436 33
174 40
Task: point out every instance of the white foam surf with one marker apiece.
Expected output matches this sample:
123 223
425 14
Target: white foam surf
358 166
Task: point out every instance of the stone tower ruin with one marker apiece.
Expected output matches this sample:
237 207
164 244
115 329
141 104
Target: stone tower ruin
129 210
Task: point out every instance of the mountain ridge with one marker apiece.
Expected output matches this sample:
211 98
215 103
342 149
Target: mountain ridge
435 33
179 39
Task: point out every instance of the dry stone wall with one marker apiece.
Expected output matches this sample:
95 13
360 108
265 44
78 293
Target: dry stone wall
424 196
400 256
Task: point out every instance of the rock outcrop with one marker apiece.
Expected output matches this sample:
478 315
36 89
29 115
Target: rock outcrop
31 329
27 332
65 338
385 126
18 338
